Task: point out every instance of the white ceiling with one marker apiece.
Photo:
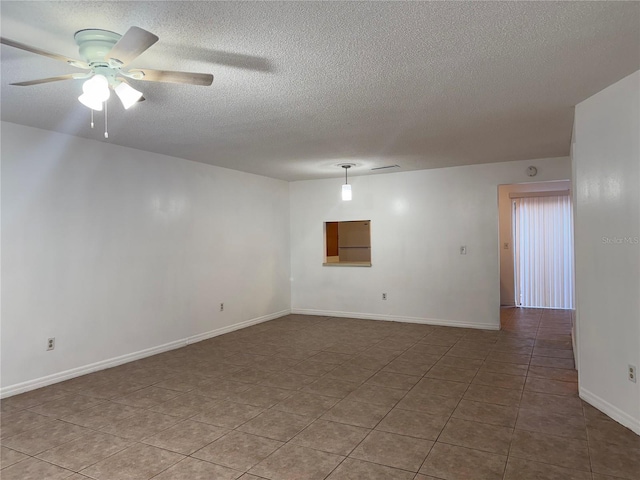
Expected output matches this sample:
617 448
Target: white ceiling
301 87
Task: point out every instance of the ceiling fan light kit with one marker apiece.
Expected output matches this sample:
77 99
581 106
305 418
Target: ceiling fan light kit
105 54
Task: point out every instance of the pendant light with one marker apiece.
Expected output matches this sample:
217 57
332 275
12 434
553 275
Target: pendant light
346 188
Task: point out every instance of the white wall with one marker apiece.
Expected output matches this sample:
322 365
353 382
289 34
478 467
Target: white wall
113 251
505 207
606 157
419 220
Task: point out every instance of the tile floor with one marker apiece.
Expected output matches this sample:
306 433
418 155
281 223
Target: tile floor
312 398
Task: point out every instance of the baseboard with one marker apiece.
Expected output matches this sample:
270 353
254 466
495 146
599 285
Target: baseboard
614 412
130 357
397 318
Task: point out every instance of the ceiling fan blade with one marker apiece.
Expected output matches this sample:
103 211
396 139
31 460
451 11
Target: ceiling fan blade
55 56
168 76
132 44
28 83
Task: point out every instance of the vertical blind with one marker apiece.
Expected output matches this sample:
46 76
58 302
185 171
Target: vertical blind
543 240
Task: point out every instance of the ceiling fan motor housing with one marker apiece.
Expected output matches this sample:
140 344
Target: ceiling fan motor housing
95 44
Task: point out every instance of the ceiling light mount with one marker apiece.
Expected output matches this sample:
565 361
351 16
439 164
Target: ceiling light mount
94 44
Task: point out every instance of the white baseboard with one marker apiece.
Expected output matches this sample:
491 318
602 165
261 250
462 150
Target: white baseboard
397 318
614 412
130 357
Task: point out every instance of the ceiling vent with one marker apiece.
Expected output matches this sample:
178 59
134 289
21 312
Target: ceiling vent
386 167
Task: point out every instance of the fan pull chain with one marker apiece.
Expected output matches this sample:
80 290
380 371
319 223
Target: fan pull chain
91 117
106 134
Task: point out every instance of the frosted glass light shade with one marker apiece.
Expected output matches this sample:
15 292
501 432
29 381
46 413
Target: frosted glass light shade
91 102
346 192
97 87
127 95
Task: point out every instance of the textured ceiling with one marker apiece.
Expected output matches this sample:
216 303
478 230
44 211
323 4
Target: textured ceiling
300 87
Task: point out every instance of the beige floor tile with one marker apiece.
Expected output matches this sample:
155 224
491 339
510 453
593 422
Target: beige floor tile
611 459
101 415
228 414
443 388
509 358
402 380
276 425
423 401
137 462
186 437
140 425
356 413
376 395
193 469
15 423
454 374
331 387
452 462
563 374
391 450
238 450
499 396
504 368
9 457
312 368
352 469
460 362
34 398
85 451
66 405
551 423
553 387
350 373
413 424
479 436
43 438
393 380
184 406
147 397
560 451
260 396
34 469
493 379
303 403
553 362
556 404
295 462
605 430
331 437
407 367
486 413
520 469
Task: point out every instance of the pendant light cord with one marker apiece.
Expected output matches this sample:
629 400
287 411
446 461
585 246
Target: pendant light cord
106 133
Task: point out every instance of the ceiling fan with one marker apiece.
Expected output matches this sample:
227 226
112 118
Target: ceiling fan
104 55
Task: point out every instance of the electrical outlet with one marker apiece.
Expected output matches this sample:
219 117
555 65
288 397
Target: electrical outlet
384 296
463 250
51 343
222 307
632 373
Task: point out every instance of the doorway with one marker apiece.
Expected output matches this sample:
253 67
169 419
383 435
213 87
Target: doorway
536 245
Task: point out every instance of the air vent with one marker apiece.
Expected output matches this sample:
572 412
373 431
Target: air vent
386 167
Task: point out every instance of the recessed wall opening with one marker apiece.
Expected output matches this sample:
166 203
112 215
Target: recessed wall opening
347 243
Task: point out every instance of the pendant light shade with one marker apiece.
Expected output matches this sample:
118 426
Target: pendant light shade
346 188
346 192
